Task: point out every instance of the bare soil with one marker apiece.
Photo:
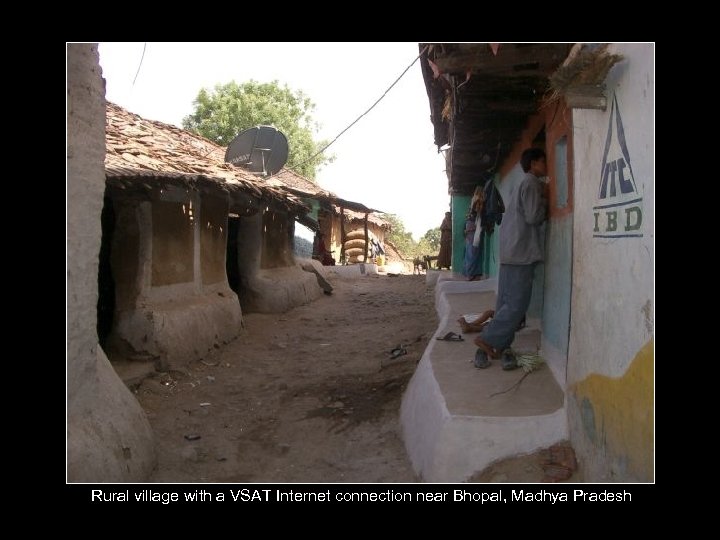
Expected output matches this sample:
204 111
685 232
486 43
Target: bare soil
311 395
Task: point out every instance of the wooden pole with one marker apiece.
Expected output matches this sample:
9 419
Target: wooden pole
366 238
342 236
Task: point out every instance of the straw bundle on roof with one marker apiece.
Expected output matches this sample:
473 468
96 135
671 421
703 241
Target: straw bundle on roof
587 68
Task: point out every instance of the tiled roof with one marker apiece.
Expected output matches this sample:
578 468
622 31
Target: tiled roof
139 149
292 179
352 210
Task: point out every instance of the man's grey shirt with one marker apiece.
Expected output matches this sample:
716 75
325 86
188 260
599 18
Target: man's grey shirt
520 233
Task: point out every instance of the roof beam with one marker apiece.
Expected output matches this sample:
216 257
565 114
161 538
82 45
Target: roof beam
511 60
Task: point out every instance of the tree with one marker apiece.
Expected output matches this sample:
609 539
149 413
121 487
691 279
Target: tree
432 239
401 238
231 108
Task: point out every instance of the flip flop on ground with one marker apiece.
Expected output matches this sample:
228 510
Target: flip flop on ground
397 352
451 336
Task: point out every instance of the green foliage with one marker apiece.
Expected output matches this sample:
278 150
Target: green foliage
432 240
425 248
230 108
403 240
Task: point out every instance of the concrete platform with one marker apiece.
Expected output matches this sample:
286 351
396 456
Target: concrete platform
352 270
453 425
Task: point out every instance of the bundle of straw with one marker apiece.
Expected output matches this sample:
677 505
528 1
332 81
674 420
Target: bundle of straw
529 362
589 67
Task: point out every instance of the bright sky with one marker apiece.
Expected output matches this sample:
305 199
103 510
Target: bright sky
386 161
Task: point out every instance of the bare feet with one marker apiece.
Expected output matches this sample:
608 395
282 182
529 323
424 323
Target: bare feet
465 326
492 353
478 324
469 328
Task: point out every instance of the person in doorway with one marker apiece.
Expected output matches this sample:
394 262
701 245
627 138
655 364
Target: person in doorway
521 250
473 261
320 252
445 255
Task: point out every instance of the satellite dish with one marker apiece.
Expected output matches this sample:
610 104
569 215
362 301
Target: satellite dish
261 149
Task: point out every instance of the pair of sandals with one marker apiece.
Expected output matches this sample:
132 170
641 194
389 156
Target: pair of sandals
485 353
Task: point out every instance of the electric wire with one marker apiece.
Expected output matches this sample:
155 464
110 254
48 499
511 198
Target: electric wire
367 111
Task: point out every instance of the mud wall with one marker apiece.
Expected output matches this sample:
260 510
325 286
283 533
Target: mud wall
270 279
173 301
108 436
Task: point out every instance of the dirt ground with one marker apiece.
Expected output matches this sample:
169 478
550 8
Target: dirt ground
311 395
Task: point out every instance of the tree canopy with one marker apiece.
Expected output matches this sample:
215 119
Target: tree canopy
431 239
429 244
230 108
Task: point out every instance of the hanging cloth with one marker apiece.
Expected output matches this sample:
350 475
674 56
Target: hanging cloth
478 228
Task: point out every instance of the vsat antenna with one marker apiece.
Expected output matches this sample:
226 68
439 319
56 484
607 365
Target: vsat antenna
262 150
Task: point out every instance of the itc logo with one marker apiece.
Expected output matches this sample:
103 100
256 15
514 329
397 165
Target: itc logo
620 213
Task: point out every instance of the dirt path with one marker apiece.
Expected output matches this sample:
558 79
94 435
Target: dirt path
306 396
311 395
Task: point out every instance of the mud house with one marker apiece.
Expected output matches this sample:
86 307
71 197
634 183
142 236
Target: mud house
189 242
352 226
591 108
349 227
166 246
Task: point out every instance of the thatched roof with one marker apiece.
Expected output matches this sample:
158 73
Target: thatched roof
140 150
586 66
351 215
481 98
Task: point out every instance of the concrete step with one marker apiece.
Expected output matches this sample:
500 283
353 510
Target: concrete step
457 419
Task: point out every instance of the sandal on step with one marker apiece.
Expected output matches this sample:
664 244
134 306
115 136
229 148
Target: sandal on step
451 336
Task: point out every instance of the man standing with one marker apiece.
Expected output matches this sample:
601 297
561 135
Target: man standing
520 251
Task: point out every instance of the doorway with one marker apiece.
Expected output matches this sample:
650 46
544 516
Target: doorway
231 260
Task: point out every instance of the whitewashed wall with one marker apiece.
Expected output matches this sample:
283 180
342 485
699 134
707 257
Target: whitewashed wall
611 359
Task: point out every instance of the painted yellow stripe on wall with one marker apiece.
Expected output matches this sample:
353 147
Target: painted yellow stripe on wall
623 410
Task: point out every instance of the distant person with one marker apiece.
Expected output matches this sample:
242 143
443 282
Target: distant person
377 251
473 260
521 250
445 255
320 252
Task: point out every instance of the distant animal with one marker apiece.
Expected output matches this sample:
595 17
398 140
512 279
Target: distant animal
418 264
429 259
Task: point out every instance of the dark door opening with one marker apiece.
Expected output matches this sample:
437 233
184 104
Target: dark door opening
106 283
231 260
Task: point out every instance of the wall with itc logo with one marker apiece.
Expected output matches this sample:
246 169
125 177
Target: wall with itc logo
610 378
